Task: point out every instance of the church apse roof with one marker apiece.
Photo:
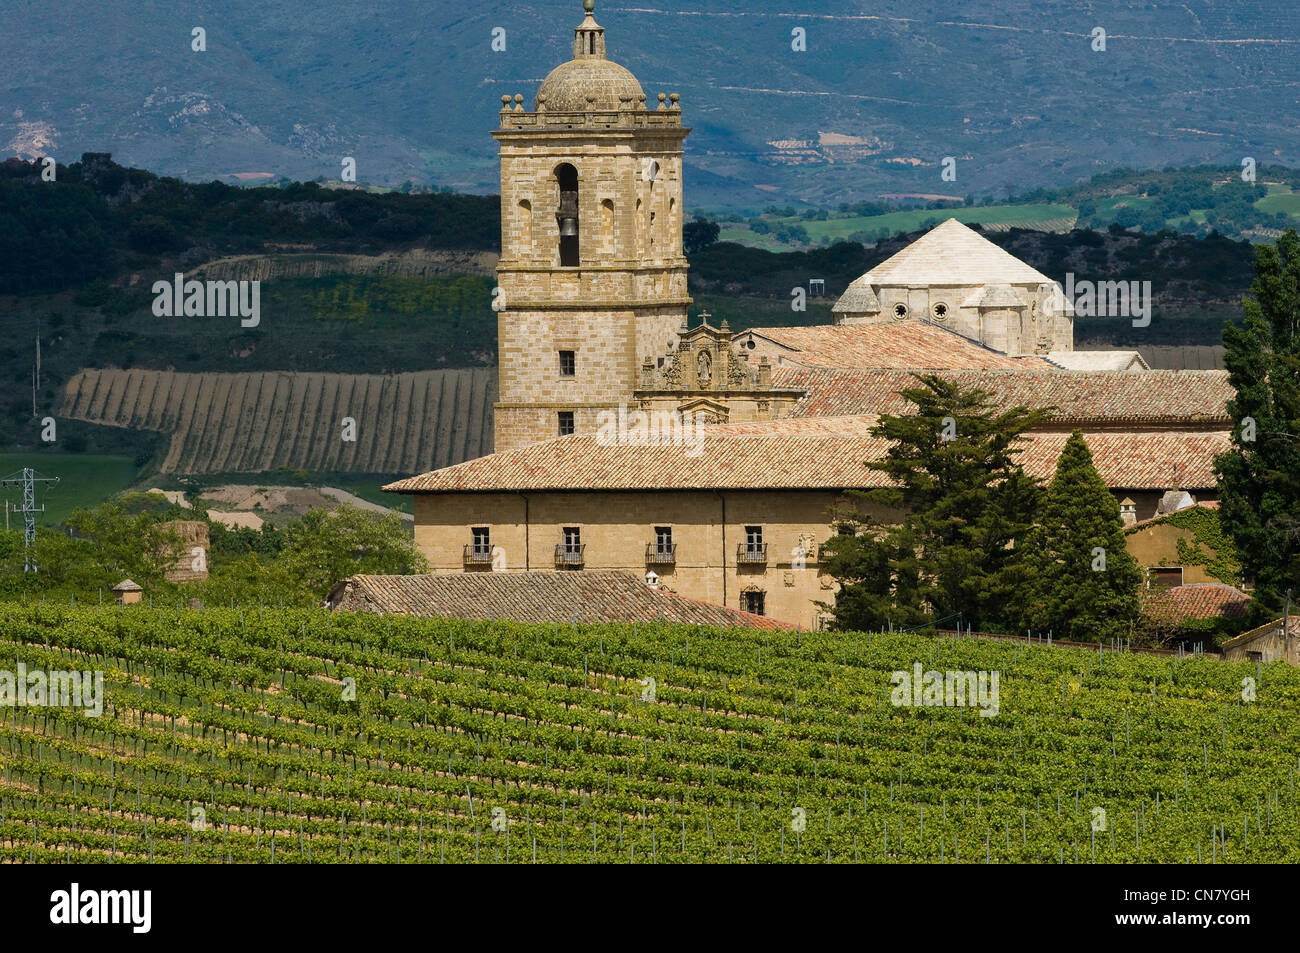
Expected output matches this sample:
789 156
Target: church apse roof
951 254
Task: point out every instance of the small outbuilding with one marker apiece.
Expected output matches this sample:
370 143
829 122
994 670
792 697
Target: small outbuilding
128 592
1278 640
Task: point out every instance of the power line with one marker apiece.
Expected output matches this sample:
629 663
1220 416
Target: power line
28 482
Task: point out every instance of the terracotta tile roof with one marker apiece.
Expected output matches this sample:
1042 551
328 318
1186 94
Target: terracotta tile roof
796 453
953 254
896 344
561 597
1145 397
1198 601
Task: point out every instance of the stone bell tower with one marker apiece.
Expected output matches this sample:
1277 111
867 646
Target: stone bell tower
592 276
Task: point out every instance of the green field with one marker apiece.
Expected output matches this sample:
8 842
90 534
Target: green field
298 736
1280 200
833 229
84 480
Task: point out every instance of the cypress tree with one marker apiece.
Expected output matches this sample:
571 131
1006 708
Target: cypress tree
1259 479
1083 584
961 504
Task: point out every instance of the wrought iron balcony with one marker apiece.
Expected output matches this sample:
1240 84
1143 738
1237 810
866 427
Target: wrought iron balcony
570 555
661 555
753 553
477 555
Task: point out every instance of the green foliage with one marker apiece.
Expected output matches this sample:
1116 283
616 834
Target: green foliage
354 298
965 504
243 713
1082 583
324 546
87 224
1210 545
293 565
1259 479
699 235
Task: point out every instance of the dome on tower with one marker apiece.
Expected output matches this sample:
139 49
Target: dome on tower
589 75
567 87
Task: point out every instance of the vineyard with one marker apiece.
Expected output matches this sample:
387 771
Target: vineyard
258 422
308 737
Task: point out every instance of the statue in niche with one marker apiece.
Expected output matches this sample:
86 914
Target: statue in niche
704 364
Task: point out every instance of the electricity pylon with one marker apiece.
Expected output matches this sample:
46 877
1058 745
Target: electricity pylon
28 481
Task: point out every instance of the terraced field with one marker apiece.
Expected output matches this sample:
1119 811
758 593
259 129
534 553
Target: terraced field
257 422
287 736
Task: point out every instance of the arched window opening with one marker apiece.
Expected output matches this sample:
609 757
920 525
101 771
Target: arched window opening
567 215
526 226
607 225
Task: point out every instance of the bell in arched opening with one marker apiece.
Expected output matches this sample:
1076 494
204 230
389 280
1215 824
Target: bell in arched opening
567 215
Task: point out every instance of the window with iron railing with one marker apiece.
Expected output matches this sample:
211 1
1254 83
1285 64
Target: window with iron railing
480 549
571 552
753 549
663 549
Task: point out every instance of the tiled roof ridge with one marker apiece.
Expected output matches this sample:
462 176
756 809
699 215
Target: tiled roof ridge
1161 517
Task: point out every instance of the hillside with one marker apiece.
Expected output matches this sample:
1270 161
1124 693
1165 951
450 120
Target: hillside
256 423
232 736
1014 91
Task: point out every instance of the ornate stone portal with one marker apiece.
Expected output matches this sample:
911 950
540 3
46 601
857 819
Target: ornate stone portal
710 378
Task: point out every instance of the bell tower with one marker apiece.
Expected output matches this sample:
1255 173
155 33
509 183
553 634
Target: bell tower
592 276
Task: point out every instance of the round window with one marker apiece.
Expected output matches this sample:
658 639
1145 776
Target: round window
940 311
900 310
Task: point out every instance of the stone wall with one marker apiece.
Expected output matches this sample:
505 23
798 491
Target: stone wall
617 527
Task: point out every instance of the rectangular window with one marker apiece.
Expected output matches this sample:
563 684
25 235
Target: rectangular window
568 364
663 540
482 541
1166 577
566 423
572 540
754 539
754 602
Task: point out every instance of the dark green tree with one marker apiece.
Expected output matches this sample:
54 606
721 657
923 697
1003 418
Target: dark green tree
1259 478
1083 584
943 538
699 235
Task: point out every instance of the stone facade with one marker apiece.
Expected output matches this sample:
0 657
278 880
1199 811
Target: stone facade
618 531
955 278
1268 643
591 244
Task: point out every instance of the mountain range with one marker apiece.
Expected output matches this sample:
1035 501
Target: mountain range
1016 92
